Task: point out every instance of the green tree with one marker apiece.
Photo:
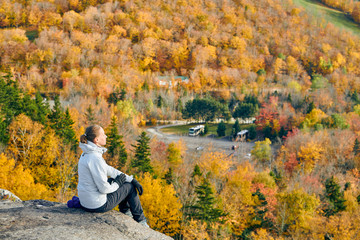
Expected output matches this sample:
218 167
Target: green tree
141 161
90 115
356 148
245 110
221 129
68 132
174 154
206 128
236 128
355 97
159 102
42 109
205 208
310 107
116 146
206 109
335 121
117 95
62 123
169 176
11 105
334 196
262 151
252 132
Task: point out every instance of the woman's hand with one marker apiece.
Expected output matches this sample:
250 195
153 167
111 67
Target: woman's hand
120 179
138 186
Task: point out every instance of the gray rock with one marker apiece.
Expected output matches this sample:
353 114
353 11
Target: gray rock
40 219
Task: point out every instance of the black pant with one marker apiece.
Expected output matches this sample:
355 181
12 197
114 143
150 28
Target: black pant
127 198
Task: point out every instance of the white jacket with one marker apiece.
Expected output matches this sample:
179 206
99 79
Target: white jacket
93 174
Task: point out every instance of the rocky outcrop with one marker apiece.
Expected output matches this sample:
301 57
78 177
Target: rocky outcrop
40 219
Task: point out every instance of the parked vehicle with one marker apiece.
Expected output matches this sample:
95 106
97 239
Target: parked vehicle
195 131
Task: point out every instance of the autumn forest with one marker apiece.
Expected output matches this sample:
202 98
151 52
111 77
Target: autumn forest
132 64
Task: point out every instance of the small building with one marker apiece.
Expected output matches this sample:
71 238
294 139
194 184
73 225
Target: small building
171 81
242 136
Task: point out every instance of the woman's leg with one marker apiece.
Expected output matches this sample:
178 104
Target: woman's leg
126 194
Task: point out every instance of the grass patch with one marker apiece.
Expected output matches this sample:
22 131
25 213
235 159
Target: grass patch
184 129
333 16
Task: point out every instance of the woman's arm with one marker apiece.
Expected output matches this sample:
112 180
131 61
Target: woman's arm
113 172
99 172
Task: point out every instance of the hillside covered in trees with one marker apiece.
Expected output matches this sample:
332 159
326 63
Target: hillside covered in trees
66 64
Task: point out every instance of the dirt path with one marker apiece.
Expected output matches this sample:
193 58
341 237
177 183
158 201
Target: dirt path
198 144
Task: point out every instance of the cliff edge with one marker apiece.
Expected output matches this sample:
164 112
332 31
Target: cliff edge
40 219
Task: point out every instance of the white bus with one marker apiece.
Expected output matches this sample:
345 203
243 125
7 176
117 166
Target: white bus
194 131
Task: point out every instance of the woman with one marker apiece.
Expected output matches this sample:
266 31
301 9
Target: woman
96 192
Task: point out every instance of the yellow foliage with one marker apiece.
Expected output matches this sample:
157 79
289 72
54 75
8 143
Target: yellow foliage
237 197
326 48
295 86
309 155
262 151
238 43
339 61
351 201
15 35
261 234
214 163
175 153
292 65
297 209
344 226
195 230
279 65
314 117
40 151
19 181
161 206
25 135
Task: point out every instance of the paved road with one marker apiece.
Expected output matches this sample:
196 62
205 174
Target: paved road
198 144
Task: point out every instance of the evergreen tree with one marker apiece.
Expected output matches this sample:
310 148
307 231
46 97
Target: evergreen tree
206 128
62 123
42 109
11 105
221 129
116 96
259 220
204 208
355 97
252 132
334 196
56 114
289 98
159 102
310 107
197 171
116 146
356 148
141 161
68 132
236 127
90 115
169 176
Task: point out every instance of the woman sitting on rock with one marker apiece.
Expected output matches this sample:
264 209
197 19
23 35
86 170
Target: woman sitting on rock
96 192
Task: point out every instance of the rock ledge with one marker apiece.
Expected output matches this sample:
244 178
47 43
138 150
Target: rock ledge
40 219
